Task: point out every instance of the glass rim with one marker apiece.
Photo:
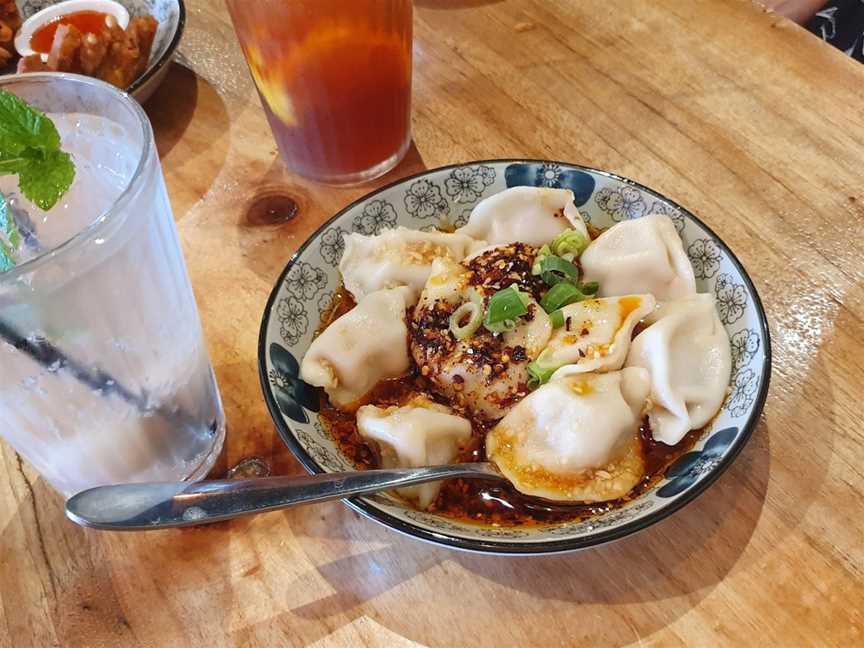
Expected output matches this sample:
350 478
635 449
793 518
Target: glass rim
107 216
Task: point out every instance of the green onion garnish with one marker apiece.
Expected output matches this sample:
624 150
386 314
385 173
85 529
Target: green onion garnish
542 253
560 295
501 327
541 370
524 296
506 304
569 244
554 270
557 317
473 312
589 288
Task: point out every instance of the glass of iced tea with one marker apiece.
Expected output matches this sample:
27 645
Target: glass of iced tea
335 80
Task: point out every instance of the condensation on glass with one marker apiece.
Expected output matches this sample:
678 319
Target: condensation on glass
104 374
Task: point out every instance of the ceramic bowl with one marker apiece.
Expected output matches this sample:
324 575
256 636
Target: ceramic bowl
34 22
171 15
306 286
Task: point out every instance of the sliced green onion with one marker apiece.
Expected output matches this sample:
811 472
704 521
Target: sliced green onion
501 327
570 243
541 370
589 288
538 376
506 304
557 317
554 270
542 253
560 295
473 312
474 297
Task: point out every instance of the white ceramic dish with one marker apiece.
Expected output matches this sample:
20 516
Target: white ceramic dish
53 12
171 15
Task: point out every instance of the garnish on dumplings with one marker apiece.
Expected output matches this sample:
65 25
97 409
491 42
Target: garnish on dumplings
580 363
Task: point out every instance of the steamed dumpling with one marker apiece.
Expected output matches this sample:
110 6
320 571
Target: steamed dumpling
575 438
397 257
367 344
686 349
530 215
420 433
643 255
485 373
596 334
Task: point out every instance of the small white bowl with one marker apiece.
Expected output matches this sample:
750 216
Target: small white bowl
48 14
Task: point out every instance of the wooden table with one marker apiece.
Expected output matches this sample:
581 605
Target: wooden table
749 121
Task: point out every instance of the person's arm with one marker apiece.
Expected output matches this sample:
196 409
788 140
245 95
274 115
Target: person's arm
798 10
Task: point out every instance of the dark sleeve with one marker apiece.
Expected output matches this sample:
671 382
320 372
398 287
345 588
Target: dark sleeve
841 23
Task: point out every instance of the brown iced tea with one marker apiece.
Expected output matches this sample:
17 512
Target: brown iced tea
335 80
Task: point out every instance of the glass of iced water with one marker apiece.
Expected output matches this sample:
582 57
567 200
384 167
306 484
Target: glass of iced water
104 375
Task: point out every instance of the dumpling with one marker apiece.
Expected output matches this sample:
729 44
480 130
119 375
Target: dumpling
686 349
397 257
485 372
530 215
576 438
596 334
420 433
643 255
366 345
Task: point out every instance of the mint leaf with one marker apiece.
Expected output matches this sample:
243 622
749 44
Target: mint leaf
30 149
9 236
7 262
8 228
14 164
44 178
21 126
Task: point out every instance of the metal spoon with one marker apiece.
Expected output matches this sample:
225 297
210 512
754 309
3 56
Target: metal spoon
160 505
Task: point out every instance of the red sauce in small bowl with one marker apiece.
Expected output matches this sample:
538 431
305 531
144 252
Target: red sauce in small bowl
87 22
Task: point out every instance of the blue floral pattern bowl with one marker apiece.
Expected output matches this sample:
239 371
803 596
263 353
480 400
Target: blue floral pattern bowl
306 288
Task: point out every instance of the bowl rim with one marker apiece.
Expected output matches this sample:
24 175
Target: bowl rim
167 55
52 12
490 546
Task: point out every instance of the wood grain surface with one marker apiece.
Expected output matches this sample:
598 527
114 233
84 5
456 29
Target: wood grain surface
734 112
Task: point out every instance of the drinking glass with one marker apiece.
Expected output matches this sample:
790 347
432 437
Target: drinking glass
104 375
334 77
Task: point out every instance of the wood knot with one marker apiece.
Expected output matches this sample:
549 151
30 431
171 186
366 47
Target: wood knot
272 207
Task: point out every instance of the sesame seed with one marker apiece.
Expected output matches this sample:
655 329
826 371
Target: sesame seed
424 370
487 370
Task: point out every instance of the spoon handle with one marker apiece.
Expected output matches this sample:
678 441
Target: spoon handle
160 505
